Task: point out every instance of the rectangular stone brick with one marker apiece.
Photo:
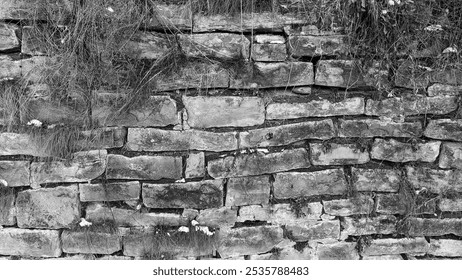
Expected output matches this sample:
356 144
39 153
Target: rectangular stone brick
379 128
269 48
195 165
253 213
395 151
144 167
444 129
15 173
88 241
376 180
315 108
218 45
218 111
383 224
361 204
147 45
83 167
297 184
451 155
51 208
441 89
156 140
110 191
314 230
8 38
7 209
411 105
313 46
248 191
397 204
73 110
101 138
382 258
282 213
445 247
18 144
389 246
217 217
29 68
258 163
198 195
30 243
435 181
434 227
450 205
337 154
337 251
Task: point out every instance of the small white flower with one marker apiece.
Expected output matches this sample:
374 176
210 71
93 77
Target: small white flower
35 122
183 229
110 9
391 2
180 181
450 50
265 151
434 28
138 207
84 223
51 126
205 230
194 223
384 12
3 182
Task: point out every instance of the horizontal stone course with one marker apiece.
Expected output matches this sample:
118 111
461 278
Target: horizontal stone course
337 154
434 227
90 242
378 128
450 205
314 230
362 204
110 191
248 191
411 105
30 243
217 217
378 180
389 246
433 180
337 251
18 144
218 45
312 46
396 151
444 129
445 247
382 224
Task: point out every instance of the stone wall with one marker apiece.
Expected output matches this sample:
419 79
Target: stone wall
316 156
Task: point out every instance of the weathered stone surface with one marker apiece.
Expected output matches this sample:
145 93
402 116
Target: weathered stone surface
315 108
248 240
52 208
445 247
156 140
450 205
392 150
205 112
18 144
349 74
337 251
218 45
90 242
253 213
296 184
451 156
30 68
101 138
317 45
444 129
217 217
382 258
337 154
110 191
195 165
362 204
148 45
412 75
15 173
411 105
248 191
376 180
435 181
156 110
447 75
258 163
383 224
144 167
34 9
199 195
379 128
269 48
441 89
8 38
171 17
83 167
30 243
7 209
281 213
434 227
389 246
314 230
71 111
277 74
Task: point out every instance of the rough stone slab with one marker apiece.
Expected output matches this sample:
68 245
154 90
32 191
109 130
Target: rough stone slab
382 258
51 208
157 140
148 45
277 74
35 9
315 108
110 191
253 213
101 138
171 17
361 204
314 230
411 105
8 38
392 150
349 74
30 68
442 89
451 156
445 129
391 246
84 167
7 209
18 144
379 128
206 112
313 46
15 173
156 110
72 111
248 240
434 227
337 251
297 184
383 224
448 75
435 181
248 191
144 167
30 243
302 90
258 163
445 247
195 165
337 154
284 213
217 217
198 195
450 205
33 41
376 180
90 242
396 204
412 75
269 52
218 45
287 134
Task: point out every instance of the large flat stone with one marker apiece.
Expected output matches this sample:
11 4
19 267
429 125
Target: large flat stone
412 75
411 105
200 195
361 204
445 248
110 191
51 208
218 45
297 184
157 140
248 191
15 173
18 144
434 227
269 48
205 112
433 180
337 251
258 163
217 217
31 69
313 46
101 138
195 165
389 246
442 89
376 180
397 204
314 230
144 167
72 111
378 128
8 38
451 156
88 241
450 205
30 243
445 129
383 224
315 108
148 45
287 134
282 213
337 154
392 150
7 209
